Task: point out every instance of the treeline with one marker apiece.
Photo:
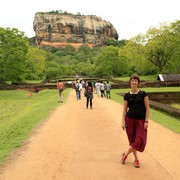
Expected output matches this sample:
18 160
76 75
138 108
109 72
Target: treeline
63 12
157 51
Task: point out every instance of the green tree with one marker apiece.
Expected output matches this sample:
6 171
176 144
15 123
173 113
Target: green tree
163 46
110 63
69 50
36 63
84 54
114 42
173 65
53 70
13 54
135 53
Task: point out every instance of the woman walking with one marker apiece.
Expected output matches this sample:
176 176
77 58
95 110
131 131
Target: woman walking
89 94
135 120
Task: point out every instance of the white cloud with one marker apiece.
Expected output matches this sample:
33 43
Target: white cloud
129 17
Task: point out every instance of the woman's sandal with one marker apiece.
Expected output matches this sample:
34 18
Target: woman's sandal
123 158
136 164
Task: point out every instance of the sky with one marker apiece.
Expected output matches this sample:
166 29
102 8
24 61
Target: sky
129 17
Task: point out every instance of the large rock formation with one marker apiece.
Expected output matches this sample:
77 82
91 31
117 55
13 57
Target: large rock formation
60 29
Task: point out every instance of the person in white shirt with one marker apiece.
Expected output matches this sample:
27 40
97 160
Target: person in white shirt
98 91
80 89
102 88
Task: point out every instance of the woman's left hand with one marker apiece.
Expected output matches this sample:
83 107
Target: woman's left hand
145 125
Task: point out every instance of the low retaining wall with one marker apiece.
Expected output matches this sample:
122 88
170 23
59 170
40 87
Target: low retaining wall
165 108
165 97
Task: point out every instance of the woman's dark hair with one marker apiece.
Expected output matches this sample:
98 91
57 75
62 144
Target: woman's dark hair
89 83
134 77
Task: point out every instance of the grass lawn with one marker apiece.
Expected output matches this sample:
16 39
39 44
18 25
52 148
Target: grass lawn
143 78
164 119
20 114
176 105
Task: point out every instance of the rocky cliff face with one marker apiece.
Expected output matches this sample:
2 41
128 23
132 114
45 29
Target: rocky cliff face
61 29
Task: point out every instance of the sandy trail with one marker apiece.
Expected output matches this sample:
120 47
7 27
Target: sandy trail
75 143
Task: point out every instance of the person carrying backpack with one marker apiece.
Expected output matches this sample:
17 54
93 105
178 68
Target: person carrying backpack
89 94
77 89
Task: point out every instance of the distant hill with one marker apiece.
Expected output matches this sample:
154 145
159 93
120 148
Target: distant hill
60 29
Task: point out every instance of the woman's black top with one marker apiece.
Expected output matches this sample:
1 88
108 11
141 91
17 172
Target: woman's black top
136 106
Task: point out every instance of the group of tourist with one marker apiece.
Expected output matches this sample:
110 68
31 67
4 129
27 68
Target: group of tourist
103 89
135 111
100 88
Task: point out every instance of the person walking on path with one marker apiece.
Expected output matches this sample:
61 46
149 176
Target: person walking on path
108 89
135 119
98 91
60 88
89 94
102 88
80 88
77 90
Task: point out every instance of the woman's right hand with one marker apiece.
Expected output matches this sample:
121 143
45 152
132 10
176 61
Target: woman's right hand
123 125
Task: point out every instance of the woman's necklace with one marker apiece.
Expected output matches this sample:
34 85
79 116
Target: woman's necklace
134 92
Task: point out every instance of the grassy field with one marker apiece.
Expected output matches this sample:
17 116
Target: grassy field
20 114
176 105
126 79
143 78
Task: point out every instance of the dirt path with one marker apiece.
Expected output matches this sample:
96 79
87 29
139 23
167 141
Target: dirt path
82 144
